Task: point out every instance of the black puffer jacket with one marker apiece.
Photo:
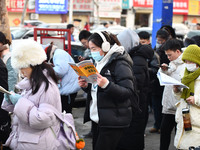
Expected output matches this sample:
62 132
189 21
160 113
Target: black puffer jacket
4 116
113 102
140 56
135 132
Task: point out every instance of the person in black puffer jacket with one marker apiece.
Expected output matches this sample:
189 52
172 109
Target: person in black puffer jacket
109 102
5 120
139 54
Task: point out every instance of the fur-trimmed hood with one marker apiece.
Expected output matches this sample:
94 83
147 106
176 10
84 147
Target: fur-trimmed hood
26 53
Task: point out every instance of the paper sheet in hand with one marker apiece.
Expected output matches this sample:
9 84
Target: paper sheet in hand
4 90
167 80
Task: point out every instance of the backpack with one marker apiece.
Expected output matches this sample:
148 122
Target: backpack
67 134
135 95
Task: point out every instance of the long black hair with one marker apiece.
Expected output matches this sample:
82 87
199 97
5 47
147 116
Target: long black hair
38 77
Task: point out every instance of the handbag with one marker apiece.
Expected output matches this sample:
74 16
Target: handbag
194 148
67 133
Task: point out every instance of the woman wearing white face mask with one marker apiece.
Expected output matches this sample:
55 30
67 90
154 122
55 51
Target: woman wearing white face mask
189 98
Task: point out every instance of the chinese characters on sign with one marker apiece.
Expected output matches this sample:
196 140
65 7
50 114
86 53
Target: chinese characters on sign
18 5
179 6
83 5
110 8
51 6
142 3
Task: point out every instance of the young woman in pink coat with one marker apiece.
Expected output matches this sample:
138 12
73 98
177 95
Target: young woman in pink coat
32 123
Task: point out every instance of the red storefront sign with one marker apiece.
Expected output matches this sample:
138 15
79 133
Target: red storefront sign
83 5
179 6
18 6
143 3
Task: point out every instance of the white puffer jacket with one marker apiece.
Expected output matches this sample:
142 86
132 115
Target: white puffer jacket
185 139
176 71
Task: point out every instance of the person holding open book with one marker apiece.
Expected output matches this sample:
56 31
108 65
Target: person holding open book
109 105
173 52
190 99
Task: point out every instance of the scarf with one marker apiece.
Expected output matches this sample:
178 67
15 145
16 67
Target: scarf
189 79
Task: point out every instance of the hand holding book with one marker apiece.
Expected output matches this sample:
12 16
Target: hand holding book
86 70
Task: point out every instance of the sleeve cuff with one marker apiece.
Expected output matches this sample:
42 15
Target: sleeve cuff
196 100
105 85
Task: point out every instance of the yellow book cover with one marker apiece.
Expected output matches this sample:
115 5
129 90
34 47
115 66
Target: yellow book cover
86 70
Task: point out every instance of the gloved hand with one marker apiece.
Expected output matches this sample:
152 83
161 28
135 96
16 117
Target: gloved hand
14 98
6 97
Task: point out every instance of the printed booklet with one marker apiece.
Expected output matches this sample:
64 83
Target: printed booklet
167 80
86 70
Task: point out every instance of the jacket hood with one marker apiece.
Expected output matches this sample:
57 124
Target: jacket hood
129 39
118 56
142 50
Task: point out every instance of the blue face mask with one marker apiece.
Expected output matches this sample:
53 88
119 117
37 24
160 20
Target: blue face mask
96 56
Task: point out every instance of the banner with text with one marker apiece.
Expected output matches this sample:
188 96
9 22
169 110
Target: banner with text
83 5
110 8
51 6
18 5
179 6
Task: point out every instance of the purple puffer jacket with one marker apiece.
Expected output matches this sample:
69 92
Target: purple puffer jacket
31 123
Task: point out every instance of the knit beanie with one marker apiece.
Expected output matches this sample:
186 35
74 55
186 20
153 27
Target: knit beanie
26 53
192 53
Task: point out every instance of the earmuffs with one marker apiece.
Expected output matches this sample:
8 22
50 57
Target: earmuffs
105 45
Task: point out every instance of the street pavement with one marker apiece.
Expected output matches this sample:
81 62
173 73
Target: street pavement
152 140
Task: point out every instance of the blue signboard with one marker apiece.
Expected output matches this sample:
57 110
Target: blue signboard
125 4
51 6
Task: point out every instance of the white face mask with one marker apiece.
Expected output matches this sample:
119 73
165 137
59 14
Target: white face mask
191 67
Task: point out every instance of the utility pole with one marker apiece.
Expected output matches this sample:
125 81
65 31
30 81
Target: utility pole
4 21
97 11
71 11
24 12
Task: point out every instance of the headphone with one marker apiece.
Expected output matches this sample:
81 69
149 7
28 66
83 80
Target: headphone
105 45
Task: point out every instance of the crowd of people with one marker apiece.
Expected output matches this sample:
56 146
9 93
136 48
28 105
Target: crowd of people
117 103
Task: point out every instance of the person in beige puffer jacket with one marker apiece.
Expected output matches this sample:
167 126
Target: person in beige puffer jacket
189 98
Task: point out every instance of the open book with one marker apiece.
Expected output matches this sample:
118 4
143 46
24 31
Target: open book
86 70
167 80
4 90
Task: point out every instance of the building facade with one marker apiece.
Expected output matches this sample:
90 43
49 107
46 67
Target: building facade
129 13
